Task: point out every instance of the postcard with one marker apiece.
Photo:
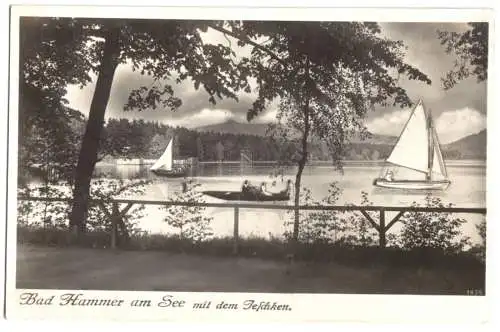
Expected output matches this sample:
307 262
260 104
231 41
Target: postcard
249 164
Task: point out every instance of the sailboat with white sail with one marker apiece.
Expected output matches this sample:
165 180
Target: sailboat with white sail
416 161
164 166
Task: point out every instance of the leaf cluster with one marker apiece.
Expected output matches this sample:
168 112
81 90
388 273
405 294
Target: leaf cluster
191 221
471 50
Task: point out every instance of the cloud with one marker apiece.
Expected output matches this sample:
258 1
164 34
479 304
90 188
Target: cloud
424 51
203 118
451 125
269 115
390 123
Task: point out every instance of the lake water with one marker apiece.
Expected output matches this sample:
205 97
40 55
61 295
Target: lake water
468 189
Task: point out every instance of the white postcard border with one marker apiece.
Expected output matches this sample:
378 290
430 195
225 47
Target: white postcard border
305 307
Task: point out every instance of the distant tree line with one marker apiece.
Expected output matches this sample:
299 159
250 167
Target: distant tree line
123 138
55 146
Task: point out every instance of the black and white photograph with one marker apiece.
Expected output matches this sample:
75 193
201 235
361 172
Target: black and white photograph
224 155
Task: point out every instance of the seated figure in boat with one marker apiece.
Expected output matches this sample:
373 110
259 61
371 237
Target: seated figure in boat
389 176
245 187
248 188
263 189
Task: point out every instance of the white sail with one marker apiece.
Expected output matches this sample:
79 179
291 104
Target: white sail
438 166
411 149
165 161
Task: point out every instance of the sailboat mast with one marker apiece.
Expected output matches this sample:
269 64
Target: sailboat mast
430 140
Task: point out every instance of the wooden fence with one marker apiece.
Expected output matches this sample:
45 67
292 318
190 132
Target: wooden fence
382 226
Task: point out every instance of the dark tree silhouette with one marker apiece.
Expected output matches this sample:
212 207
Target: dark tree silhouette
327 75
56 52
471 51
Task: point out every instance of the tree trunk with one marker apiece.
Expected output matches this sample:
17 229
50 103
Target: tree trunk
302 161
90 144
298 176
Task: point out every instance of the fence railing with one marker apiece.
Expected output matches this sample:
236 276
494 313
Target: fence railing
382 227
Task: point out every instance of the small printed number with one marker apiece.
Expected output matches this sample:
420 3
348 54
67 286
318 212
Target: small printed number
474 292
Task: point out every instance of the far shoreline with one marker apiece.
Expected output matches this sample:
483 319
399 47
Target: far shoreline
349 162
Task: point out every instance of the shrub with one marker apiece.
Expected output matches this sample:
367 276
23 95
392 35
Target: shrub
55 214
316 226
42 213
107 189
189 220
480 249
432 230
357 230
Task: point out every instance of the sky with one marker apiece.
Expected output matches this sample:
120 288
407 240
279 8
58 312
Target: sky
458 112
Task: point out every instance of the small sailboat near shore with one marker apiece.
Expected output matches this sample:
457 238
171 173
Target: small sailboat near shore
416 161
164 166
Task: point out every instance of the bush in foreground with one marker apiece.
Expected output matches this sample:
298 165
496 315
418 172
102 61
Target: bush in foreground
436 231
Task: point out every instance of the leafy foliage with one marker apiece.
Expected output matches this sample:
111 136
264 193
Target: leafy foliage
57 52
331 50
306 64
48 141
480 249
421 230
471 51
55 214
189 220
327 75
107 189
333 227
317 226
434 230
357 229
42 214
481 228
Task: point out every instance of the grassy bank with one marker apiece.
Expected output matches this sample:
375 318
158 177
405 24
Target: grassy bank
262 248
50 258
42 267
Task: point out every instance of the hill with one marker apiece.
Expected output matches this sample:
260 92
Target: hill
375 139
469 147
225 141
259 129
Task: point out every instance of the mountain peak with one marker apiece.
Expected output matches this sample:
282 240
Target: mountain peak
470 147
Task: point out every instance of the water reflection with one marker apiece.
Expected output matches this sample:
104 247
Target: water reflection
468 181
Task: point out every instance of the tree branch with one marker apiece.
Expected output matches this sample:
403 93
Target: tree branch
317 92
251 42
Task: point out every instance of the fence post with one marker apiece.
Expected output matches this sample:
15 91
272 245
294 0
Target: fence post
115 214
236 229
381 230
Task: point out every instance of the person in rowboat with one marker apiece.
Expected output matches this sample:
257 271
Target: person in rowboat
263 189
389 176
245 187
